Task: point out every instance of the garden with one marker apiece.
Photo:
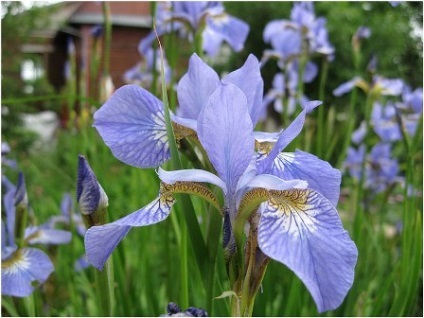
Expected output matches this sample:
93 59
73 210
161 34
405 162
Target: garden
260 159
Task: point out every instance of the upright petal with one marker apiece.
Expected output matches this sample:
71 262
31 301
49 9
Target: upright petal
9 206
286 137
225 130
132 125
319 174
24 267
248 78
100 241
302 229
195 87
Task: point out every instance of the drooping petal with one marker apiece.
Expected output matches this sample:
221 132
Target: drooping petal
24 267
191 175
212 42
303 230
319 174
195 87
286 136
132 125
100 241
345 87
234 31
225 130
81 263
39 235
271 182
248 78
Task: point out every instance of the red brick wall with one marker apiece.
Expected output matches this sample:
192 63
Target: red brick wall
124 51
117 7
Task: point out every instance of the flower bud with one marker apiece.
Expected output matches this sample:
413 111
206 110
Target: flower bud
91 197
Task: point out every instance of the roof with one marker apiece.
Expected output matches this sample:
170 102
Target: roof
67 15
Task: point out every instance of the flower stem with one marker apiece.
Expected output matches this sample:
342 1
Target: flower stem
108 37
105 301
321 125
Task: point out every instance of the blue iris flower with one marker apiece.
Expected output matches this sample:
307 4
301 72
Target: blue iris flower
286 36
132 121
188 17
142 73
299 225
381 169
22 266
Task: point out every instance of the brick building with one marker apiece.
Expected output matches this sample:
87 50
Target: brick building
130 21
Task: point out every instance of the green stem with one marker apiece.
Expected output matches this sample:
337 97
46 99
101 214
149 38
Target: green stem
108 38
321 124
105 301
350 126
213 232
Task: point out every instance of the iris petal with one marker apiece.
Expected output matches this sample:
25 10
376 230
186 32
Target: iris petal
234 31
191 175
201 77
23 268
302 229
319 174
286 136
248 78
132 125
100 241
225 130
37 235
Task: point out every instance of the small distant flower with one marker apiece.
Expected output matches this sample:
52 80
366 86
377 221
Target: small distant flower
23 266
372 65
5 150
379 85
359 134
188 17
96 31
173 310
142 73
384 122
284 86
381 170
362 33
287 36
67 216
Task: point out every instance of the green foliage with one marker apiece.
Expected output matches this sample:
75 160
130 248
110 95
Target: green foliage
17 24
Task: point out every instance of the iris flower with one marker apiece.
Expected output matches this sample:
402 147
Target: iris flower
285 85
190 17
22 266
286 36
381 170
381 85
294 193
142 73
132 121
